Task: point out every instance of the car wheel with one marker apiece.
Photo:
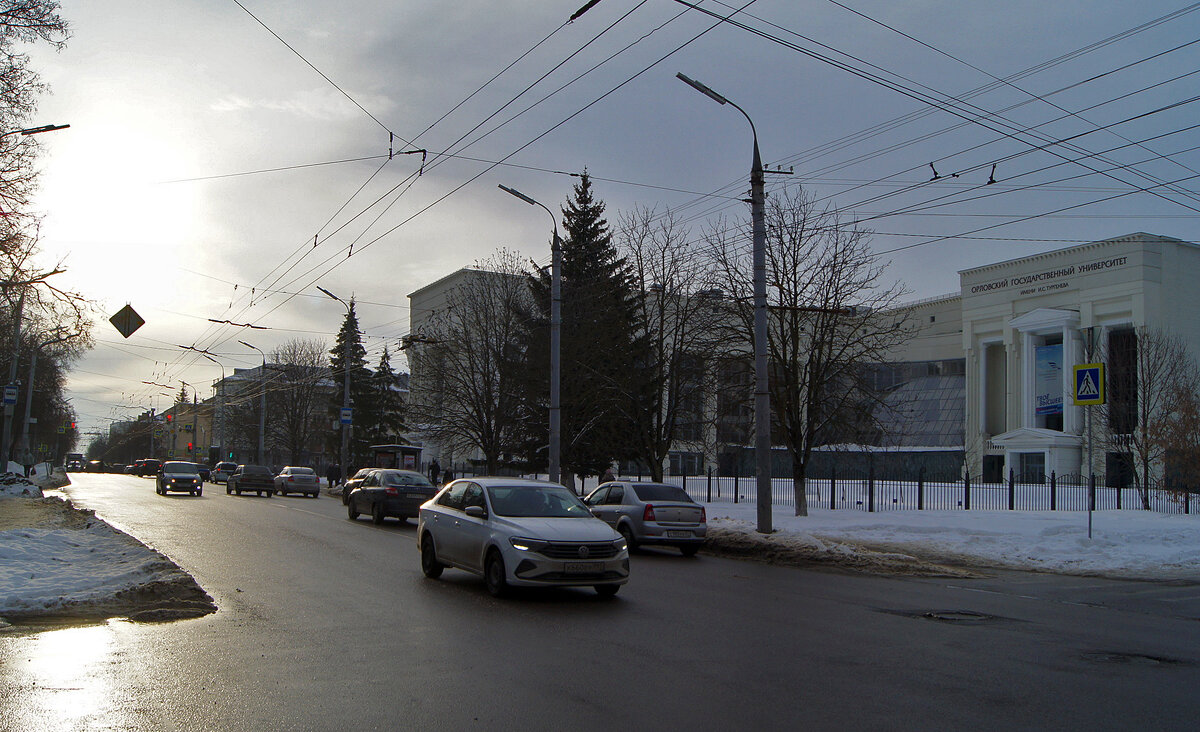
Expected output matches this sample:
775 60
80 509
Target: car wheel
228 490
494 575
606 590
627 532
351 511
237 491
429 563
199 491
282 492
377 513
689 550
270 493
315 494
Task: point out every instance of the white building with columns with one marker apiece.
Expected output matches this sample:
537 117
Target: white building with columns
1026 322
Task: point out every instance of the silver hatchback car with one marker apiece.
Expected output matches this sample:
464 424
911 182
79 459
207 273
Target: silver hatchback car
651 513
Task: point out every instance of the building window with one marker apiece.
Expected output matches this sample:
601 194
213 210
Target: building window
1122 381
1031 467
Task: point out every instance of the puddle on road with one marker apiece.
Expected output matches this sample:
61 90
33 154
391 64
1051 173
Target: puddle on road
59 674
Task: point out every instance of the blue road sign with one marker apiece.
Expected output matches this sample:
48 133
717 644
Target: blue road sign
1089 384
347 415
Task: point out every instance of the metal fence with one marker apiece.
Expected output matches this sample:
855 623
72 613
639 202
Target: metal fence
868 493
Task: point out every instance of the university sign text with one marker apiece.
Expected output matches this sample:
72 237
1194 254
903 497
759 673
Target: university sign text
1052 279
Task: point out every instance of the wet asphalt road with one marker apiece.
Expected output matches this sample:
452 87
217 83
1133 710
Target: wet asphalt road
328 624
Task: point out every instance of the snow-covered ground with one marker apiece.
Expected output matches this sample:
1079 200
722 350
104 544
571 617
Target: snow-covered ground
57 560
1128 544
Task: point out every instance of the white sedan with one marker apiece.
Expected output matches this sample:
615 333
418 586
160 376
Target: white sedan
518 532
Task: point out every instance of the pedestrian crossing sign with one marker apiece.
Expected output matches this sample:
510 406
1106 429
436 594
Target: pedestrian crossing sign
1089 384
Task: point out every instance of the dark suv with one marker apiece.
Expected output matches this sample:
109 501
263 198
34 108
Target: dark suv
256 478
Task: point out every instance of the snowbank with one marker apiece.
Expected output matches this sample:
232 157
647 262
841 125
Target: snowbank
1124 544
68 562
14 484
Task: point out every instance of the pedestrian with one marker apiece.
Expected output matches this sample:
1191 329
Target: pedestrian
435 470
449 476
608 475
333 474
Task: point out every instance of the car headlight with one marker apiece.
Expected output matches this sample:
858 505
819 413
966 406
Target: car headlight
620 544
528 545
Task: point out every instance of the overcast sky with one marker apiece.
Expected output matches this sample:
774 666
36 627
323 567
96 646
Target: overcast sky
156 197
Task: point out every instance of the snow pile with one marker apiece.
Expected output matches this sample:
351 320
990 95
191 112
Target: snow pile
1125 544
13 484
68 562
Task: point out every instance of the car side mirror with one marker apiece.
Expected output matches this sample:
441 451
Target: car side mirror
475 512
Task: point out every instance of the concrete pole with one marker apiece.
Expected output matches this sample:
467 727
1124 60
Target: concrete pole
555 357
6 432
28 407
762 397
345 454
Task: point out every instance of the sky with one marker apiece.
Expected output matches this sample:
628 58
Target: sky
227 157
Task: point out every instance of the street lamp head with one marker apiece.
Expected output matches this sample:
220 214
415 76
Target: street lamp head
327 292
518 194
702 89
43 128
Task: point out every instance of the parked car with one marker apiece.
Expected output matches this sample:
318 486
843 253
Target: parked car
383 493
651 513
256 478
355 482
518 532
297 480
222 472
178 476
148 466
204 471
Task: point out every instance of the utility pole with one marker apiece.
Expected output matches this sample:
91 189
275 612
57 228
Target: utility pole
762 397
262 411
346 427
6 433
555 446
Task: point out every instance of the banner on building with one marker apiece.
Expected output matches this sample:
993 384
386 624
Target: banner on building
1048 384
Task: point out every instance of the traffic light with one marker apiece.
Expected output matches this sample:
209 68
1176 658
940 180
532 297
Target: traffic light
231 454
170 417
72 425
189 447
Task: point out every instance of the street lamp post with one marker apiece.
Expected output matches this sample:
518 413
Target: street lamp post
262 410
195 408
220 396
555 338
344 457
762 397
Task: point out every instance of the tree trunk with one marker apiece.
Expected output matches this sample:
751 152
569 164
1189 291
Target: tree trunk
800 486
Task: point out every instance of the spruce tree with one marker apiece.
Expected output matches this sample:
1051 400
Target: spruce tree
348 353
387 409
598 332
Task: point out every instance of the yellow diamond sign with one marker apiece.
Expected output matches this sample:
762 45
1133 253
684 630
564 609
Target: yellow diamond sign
126 321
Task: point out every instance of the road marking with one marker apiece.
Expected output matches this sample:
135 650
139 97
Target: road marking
284 506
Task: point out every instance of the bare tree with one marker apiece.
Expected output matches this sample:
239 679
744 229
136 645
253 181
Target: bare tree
831 315
469 359
21 22
1152 385
299 395
674 350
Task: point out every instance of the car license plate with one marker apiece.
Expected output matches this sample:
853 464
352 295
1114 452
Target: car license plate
679 534
582 567
416 495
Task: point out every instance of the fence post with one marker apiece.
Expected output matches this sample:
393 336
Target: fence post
1187 500
871 487
1053 490
921 489
736 481
1092 492
967 491
1120 490
832 487
709 485
1012 488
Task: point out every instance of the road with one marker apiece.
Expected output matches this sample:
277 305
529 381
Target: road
326 624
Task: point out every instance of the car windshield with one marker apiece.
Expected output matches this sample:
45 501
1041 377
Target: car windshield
406 479
539 501
178 468
658 492
256 470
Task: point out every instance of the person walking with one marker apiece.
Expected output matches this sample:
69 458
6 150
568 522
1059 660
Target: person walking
333 474
435 471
